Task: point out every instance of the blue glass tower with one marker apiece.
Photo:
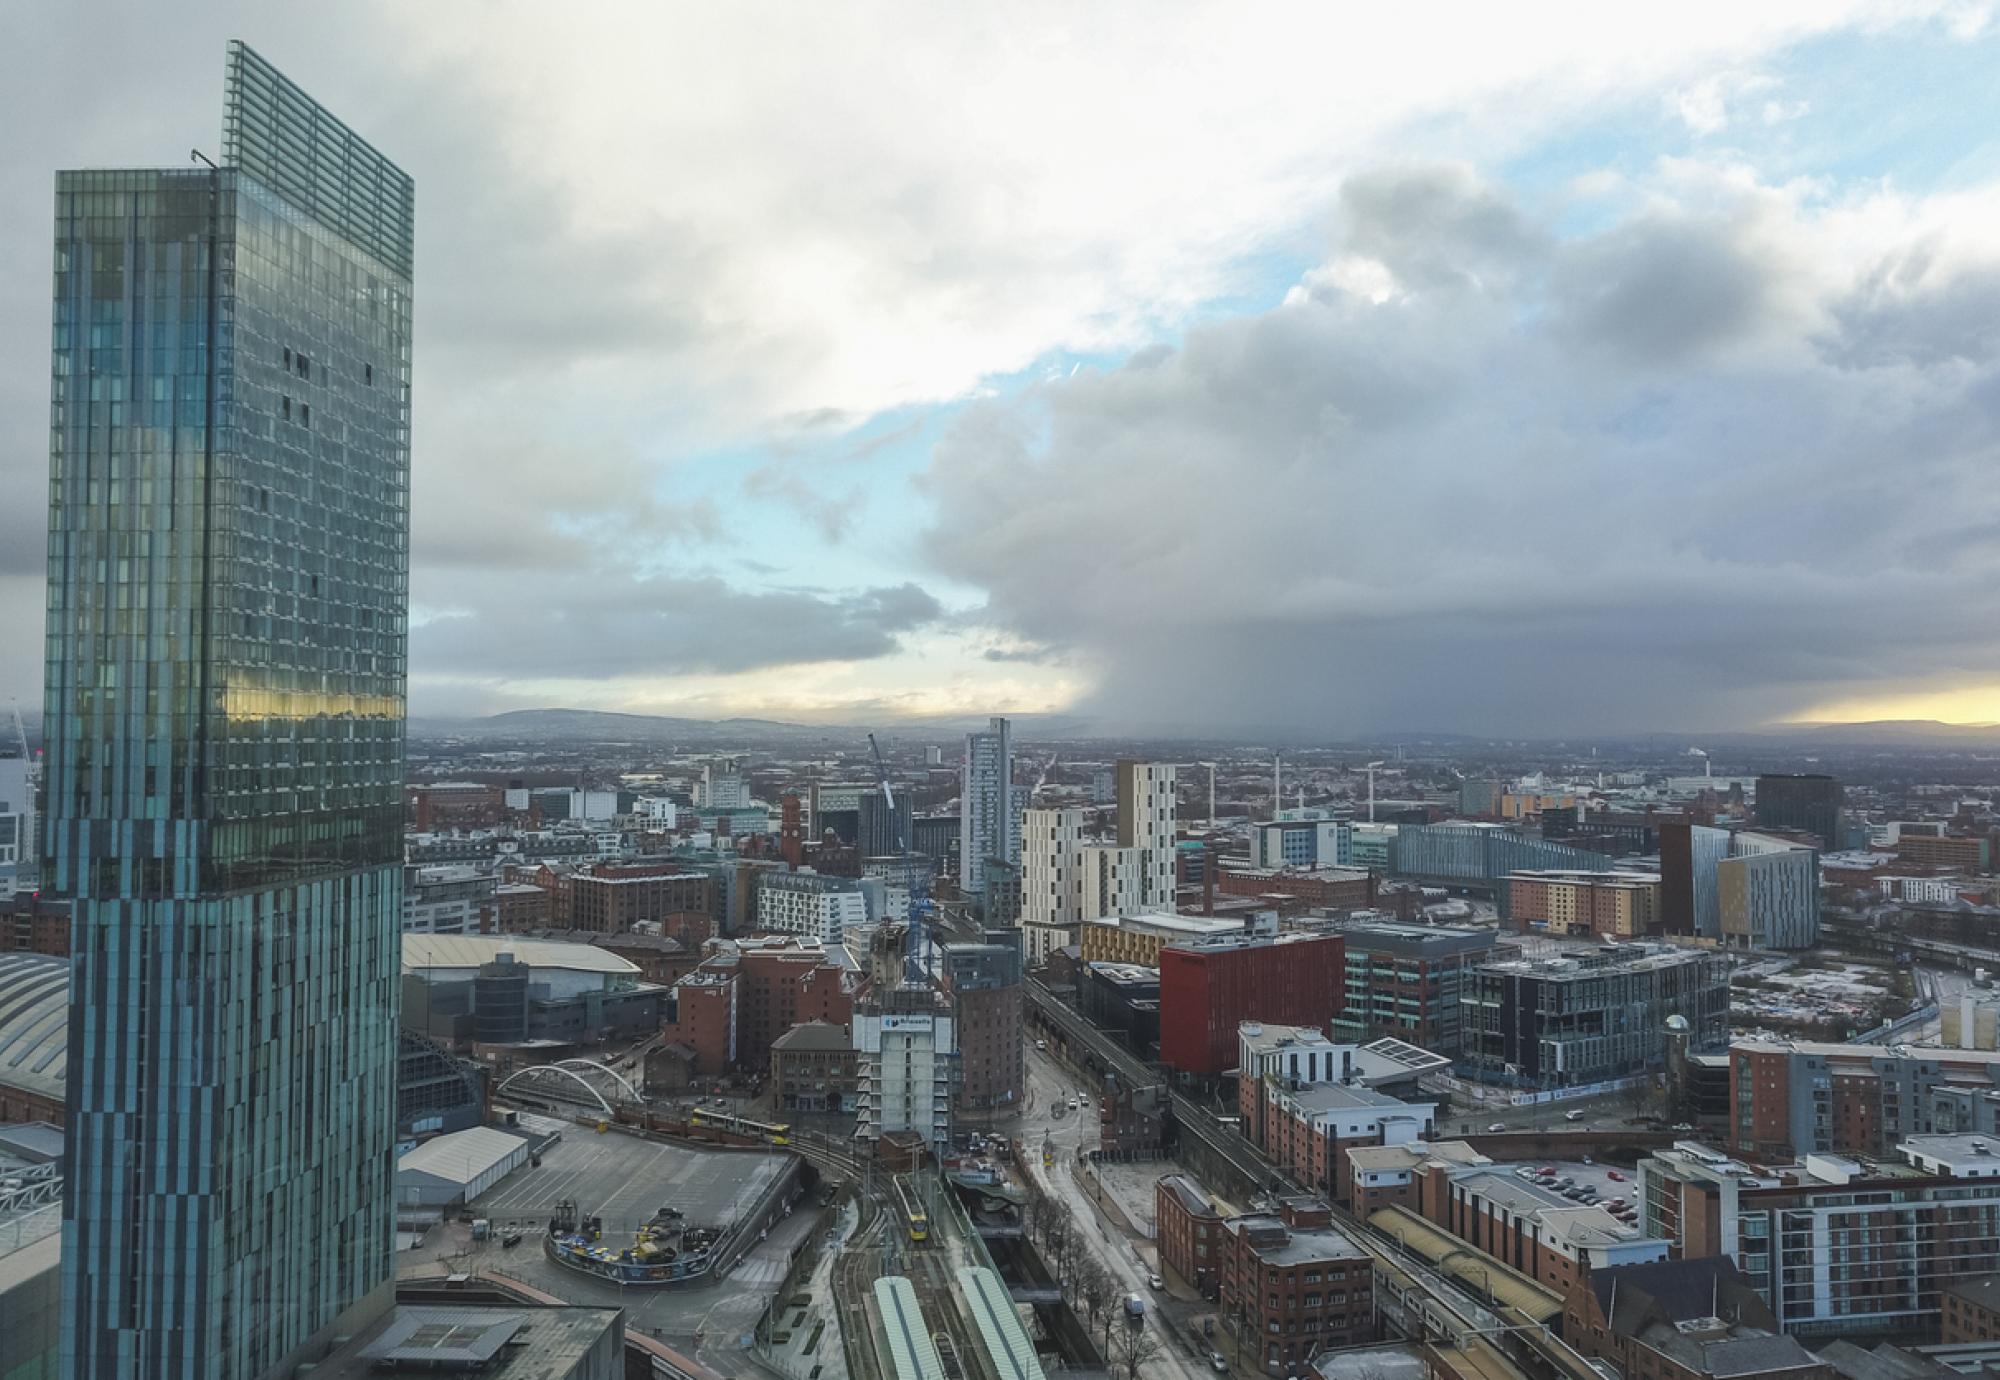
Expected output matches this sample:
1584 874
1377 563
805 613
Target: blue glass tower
227 606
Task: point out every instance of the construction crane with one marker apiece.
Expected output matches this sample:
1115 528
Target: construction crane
916 934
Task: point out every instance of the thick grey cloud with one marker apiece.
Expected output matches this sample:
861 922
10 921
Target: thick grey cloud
1685 471
1667 286
575 627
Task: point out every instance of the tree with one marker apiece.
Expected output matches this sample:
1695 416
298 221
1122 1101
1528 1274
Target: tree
1095 1287
1131 1348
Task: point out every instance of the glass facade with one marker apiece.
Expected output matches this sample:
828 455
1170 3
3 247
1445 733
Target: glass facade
228 571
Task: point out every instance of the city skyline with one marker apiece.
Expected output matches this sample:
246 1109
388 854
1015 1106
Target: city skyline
1281 343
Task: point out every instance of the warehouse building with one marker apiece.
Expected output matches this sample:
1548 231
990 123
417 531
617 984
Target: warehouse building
457 1168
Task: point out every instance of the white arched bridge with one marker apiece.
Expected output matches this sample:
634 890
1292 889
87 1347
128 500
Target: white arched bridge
572 1080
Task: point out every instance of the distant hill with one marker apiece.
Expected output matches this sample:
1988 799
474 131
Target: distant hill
597 725
1877 733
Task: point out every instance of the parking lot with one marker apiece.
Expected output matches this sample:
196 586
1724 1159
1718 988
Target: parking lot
625 1180
1597 1176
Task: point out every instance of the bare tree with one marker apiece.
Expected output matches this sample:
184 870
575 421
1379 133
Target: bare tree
1040 1213
1131 1348
1067 1247
1096 1288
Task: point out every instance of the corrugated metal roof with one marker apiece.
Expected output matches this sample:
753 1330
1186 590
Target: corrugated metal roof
34 1023
911 1349
1008 1347
461 1156
1472 1267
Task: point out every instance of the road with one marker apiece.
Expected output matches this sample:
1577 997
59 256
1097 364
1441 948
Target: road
1050 1087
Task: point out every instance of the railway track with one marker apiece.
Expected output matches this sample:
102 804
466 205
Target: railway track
930 1275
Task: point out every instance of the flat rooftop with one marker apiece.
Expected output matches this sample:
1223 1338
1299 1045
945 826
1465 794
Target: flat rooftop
501 1342
1301 1245
1408 1157
1964 1156
626 1180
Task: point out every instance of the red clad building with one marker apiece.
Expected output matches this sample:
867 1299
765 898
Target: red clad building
1207 990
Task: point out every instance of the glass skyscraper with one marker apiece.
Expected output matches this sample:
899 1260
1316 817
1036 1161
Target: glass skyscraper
228 572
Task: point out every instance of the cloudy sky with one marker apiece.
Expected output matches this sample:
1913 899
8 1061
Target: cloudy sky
1500 369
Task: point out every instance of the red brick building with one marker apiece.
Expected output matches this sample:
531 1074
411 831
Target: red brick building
1207 991
1971 1309
774 984
785 983
1290 890
1293 1286
611 898
1953 853
456 805
705 1003
1548 1238
34 924
1189 1232
815 1068
523 906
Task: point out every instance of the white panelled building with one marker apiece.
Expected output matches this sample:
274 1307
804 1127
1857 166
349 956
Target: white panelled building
810 903
1051 881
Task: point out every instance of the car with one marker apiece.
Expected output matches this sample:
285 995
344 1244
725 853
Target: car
1565 1182
1497 1126
510 1240
1573 1114
1683 1126
1074 1104
1041 1044
1614 1176
1524 1173
720 1102
1217 1363
1548 1169
1157 1281
1135 1307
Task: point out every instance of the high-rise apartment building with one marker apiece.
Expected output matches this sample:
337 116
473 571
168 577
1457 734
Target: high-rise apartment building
1148 805
227 615
1136 874
984 983
1811 803
1051 881
989 815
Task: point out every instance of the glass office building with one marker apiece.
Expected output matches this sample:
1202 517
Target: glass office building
228 572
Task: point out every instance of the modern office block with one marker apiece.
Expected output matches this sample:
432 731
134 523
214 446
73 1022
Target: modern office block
227 614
